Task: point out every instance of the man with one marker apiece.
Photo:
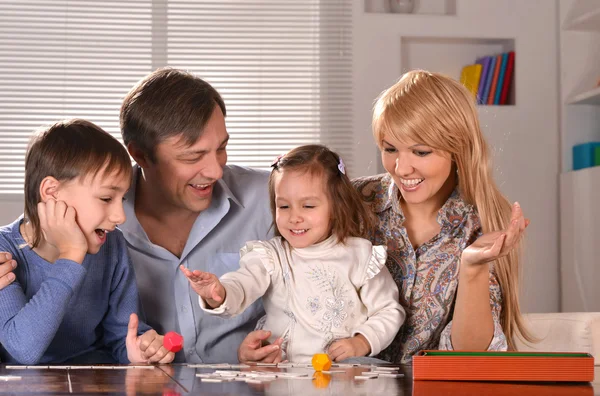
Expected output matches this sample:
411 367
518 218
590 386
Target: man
187 207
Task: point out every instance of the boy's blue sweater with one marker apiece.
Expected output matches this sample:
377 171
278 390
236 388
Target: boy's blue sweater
56 312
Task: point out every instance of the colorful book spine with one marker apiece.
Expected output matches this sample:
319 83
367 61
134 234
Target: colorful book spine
495 80
501 79
508 77
470 77
488 83
485 66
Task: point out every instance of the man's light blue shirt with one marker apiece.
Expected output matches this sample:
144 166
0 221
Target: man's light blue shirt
239 212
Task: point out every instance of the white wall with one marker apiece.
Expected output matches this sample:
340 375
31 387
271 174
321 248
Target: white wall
524 137
10 208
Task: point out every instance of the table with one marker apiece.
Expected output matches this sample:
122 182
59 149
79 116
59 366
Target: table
181 379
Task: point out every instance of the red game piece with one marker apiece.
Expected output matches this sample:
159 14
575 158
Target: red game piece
173 341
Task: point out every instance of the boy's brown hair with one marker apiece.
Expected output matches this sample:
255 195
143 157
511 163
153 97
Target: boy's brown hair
349 215
67 150
166 103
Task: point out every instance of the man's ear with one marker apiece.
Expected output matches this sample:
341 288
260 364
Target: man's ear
138 155
49 188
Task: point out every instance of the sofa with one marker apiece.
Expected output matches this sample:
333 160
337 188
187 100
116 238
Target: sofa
564 332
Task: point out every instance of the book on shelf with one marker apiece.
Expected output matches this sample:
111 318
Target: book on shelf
485 65
470 76
508 77
490 100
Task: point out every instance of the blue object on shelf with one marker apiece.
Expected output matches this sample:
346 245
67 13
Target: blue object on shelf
583 155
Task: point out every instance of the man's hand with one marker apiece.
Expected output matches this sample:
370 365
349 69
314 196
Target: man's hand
60 229
349 347
207 286
147 348
251 349
7 265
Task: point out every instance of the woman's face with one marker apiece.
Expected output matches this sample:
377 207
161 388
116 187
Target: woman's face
423 175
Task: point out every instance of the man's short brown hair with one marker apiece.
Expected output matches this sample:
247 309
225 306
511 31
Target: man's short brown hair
166 103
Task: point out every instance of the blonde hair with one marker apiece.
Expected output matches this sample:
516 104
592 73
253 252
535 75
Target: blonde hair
435 110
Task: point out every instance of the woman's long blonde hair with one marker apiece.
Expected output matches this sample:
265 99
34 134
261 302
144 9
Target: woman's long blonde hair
439 112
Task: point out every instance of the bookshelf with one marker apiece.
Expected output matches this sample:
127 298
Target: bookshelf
579 56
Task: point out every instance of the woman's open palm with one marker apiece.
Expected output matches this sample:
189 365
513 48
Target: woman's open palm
493 245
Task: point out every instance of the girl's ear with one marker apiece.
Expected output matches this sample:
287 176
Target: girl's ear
49 188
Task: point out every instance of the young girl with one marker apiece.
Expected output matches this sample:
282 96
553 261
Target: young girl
74 298
324 289
434 203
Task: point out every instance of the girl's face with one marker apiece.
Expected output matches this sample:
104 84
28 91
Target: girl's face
423 175
98 202
303 210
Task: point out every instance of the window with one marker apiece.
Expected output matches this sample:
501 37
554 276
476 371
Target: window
283 68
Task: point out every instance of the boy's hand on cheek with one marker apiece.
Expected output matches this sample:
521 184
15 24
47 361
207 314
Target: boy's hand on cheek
60 229
147 348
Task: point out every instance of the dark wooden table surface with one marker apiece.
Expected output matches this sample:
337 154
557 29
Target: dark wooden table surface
180 379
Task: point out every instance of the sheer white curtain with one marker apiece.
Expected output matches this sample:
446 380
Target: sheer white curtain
283 68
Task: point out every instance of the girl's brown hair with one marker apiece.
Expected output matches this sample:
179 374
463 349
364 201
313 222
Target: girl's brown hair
66 150
349 215
436 110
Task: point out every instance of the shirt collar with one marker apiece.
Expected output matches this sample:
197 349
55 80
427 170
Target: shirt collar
452 213
132 224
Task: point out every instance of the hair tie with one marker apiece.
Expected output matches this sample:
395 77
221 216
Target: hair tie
275 162
341 167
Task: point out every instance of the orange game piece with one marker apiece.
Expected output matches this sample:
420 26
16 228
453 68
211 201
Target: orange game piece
321 361
173 341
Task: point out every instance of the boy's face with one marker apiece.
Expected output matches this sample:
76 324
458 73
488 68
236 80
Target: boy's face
303 211
185 175
98 202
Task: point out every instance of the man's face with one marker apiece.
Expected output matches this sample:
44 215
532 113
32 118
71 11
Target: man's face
185 174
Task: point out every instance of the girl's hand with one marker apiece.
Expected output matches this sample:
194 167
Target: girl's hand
207 286
60 229
147 348
349 347
496 244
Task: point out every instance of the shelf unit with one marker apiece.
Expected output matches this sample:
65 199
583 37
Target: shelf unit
424 7
591 97
580 123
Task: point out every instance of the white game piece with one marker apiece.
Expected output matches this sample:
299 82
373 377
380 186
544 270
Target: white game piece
364 377
211 380
37 367
387 368
9 378
59 367
239 366
333 371
391 375
100 367
143 367
80 367
16 367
